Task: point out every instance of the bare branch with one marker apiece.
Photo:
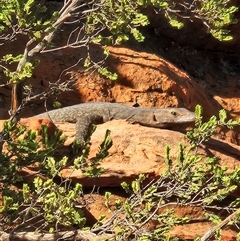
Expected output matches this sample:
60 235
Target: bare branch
209 234
76 235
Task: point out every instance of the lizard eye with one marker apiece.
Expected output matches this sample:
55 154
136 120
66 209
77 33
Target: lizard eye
174 113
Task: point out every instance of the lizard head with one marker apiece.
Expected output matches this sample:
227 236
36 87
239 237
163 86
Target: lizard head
168 117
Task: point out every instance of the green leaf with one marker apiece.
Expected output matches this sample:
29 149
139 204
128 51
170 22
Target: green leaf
121 38
143 3
26 192
57 104
125 186
136 186
137 35
174 22
106 73
160 4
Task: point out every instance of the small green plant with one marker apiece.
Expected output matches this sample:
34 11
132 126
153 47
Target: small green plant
189 180
146 204
51 203
203 131
218 15
44 205
24 148
23 17
215 15
90 167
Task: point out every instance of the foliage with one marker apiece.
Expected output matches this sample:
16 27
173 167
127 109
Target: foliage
203 131
189 180
218 15
25 14
121 18
90 167
45 205
215 15
23 17
99 22
25 149
50 203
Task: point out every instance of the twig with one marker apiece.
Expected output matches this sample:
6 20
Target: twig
75 235
209 234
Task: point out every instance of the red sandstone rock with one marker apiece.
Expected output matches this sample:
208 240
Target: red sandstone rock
137 149
34 123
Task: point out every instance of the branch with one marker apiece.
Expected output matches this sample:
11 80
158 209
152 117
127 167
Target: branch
17 89
209 234
77 235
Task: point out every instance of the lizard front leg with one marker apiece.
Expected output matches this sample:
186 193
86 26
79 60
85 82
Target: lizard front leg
84 123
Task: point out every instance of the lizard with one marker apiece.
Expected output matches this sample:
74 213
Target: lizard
85 114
